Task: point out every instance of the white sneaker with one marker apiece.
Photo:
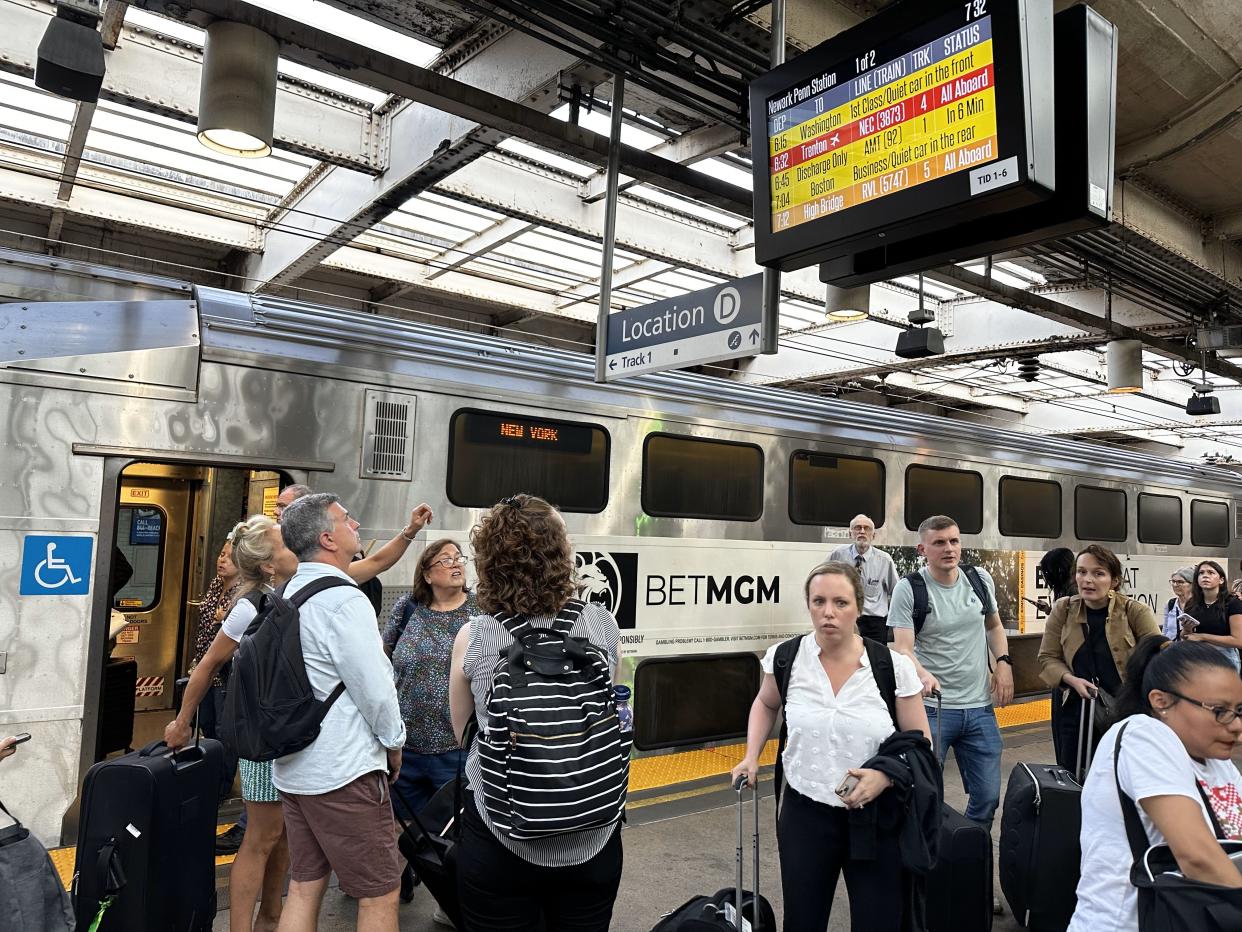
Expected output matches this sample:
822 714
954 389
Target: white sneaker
440 918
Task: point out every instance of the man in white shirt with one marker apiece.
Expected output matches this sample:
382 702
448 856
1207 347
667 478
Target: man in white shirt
338 815
879 577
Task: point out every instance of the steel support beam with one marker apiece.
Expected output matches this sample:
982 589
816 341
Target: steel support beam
1202 120
504 184
1053 310
469 122
685 149
632 274
160 75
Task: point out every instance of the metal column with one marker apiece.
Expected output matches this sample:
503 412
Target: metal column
610 226
772 277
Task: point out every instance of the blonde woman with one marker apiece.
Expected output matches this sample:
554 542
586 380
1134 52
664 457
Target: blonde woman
263 561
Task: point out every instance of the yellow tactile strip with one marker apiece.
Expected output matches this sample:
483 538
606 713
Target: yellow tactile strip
63 858
1024 713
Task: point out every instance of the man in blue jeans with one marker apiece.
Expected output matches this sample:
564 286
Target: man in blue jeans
951 653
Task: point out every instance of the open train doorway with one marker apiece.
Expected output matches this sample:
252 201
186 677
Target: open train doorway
172 521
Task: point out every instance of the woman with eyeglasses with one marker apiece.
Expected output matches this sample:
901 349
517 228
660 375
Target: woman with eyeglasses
419 638
1182 584
1218 612
1181 701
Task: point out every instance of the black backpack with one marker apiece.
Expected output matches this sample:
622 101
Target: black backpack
270 709
553 755
918 586
881 668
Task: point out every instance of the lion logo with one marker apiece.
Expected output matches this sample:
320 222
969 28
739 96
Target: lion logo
599 579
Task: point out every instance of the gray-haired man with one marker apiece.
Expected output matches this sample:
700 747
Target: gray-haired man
879 577
338 815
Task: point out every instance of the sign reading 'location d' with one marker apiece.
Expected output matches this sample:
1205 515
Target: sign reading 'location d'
721 322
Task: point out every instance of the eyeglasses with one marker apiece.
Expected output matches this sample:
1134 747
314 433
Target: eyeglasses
446 562
1224 714
1178 581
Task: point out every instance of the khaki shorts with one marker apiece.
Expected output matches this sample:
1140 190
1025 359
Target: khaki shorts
349 830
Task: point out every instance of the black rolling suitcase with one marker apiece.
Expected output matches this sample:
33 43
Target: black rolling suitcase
712 913
146 843
428 841
959 885
1039 846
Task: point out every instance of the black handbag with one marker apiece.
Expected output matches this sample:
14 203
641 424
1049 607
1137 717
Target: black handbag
30 890
1167 900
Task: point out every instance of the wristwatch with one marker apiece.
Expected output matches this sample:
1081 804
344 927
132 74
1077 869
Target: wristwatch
1005 658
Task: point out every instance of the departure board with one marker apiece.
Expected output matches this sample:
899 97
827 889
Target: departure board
918 109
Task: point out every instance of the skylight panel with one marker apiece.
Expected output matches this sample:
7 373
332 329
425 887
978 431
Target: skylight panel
466 208
342 23
574 249
571 268
723 171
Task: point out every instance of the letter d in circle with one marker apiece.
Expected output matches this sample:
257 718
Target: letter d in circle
728 304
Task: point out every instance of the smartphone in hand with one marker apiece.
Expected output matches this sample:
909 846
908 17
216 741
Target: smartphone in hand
846 786
1186 625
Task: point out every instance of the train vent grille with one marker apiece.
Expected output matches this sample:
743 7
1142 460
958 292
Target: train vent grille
388 438
1237 519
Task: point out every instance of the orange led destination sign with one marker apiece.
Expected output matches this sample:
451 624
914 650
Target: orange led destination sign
917 118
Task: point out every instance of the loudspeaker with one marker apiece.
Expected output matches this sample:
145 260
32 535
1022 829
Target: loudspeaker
920 342
71 60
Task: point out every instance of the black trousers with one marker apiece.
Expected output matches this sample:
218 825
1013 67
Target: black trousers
500 892
874 627
814 843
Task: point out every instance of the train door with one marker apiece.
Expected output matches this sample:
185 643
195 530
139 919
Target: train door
171 523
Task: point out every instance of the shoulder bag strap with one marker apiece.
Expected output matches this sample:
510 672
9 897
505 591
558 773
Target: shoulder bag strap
885 676
1135 833
16 820
981 590
782 669
568 616
918 589
316 586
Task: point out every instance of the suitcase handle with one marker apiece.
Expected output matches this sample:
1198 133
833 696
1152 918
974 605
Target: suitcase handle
179 754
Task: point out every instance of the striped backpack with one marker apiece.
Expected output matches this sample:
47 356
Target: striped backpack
553 755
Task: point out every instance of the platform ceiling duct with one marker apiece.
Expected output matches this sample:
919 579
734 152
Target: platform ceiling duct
237 93
1125 366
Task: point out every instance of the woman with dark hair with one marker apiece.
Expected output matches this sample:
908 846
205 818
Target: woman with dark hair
1086 643
419 639
1057 568
837 719
1218 613
1182 702
526 569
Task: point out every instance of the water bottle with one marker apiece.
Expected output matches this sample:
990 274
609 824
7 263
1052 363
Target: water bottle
625 715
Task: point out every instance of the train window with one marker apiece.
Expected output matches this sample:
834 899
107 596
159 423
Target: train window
140 540
1159 519
1099 514
1209 524
689 477
933 490
825 488
1030 507
681 701
495 455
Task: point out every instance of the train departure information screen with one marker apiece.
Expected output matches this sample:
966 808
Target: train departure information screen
879 124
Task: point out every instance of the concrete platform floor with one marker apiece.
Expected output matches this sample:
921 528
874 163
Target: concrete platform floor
680 842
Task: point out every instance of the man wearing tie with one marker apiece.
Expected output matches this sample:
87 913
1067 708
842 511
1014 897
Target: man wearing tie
879 577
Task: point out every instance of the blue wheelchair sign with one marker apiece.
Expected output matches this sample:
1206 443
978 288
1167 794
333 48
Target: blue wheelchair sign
56 565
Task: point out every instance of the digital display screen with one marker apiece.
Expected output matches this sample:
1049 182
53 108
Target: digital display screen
870 128
920 118
499 430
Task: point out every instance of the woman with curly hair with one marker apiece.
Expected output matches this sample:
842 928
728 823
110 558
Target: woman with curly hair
526 568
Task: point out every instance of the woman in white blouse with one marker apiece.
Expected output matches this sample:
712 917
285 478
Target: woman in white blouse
837 718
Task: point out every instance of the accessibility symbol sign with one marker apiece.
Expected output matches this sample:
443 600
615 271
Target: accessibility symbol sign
56 565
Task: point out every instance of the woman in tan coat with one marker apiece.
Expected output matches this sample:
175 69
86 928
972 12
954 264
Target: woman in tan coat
1087 640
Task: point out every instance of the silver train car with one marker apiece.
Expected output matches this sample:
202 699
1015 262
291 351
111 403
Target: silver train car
138 432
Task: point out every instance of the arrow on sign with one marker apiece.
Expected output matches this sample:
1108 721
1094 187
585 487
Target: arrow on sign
754 337
612 364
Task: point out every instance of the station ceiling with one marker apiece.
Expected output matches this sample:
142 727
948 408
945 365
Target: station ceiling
462 210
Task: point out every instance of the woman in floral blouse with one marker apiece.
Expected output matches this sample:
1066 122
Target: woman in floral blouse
419 638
